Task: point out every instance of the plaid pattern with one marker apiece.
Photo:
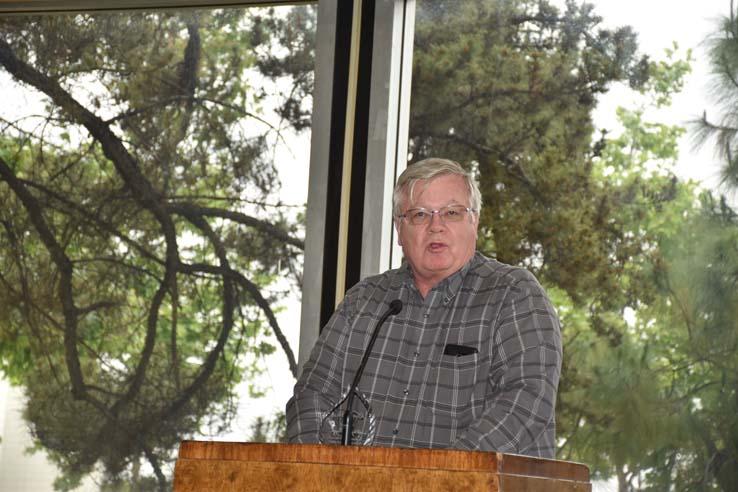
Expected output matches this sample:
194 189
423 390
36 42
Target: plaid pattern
500 398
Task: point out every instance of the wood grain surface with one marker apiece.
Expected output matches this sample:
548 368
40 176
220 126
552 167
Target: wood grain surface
231 466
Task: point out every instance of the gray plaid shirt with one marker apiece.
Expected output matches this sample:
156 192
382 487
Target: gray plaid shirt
501 397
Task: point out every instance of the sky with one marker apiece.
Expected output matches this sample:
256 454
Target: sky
659 23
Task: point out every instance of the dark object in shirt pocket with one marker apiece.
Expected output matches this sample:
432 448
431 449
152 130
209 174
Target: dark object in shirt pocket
449 392
459 350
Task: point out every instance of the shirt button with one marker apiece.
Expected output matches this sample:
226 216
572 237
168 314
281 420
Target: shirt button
446 300
426 315
405 392
416 353
395 431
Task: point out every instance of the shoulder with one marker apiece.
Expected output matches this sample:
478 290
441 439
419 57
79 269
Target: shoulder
486 273
490 269
518 292
386 281
375 290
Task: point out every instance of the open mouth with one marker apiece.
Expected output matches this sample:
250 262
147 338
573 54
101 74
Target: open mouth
436 247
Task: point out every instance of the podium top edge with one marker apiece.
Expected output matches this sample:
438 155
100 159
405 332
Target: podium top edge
437 459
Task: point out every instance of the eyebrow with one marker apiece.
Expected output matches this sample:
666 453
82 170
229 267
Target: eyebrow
453 202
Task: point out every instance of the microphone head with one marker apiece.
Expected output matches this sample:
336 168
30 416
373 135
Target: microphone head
395 306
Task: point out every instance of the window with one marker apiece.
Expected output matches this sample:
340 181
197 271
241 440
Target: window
154 186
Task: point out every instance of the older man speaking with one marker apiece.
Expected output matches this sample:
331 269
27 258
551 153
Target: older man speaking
472 360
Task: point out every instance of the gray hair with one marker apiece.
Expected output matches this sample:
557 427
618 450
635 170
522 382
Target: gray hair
429 169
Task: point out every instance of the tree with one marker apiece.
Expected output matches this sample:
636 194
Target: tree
620 410
699 359
724 90
698 278
508 88
512 97
138 245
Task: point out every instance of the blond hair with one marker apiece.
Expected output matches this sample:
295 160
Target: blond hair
427 170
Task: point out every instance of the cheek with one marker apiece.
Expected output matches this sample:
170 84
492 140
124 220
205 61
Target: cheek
409 242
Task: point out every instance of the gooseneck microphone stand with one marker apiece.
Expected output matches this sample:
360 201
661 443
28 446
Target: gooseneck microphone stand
348 416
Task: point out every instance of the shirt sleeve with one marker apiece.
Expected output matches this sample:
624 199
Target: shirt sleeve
519 410
318 388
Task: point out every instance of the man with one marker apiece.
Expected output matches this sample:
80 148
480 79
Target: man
473 359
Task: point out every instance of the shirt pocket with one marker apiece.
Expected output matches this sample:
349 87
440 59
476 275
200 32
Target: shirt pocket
450 386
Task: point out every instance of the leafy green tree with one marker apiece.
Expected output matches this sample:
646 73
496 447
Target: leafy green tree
698 361
138 245
656 402
697 278
668 408
618 409
140 239
508 88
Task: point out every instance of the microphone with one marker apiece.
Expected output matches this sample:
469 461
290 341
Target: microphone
348 417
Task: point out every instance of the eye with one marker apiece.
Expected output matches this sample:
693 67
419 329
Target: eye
419 214
452 212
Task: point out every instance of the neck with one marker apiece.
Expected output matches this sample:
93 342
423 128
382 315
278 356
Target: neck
425 285
423 290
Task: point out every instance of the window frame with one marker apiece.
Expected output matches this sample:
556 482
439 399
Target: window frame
57 6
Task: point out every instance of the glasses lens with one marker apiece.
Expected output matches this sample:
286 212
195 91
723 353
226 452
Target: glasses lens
453 213
421 216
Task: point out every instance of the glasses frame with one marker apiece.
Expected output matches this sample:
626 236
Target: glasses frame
432 212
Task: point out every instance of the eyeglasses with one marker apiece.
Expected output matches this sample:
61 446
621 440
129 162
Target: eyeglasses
422 216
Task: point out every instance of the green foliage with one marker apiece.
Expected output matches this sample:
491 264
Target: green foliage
139 255
648 389
721 130
634 378
655 404
666 77
699 353
507 88
641 271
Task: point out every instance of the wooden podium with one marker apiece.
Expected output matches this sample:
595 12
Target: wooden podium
234 466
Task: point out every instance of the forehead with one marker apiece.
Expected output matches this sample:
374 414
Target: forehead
439 191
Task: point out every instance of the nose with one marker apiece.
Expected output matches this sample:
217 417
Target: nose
436 222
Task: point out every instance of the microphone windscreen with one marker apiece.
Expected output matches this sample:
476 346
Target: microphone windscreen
395 306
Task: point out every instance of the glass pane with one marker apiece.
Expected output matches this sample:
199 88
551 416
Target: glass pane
639 260
153 184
